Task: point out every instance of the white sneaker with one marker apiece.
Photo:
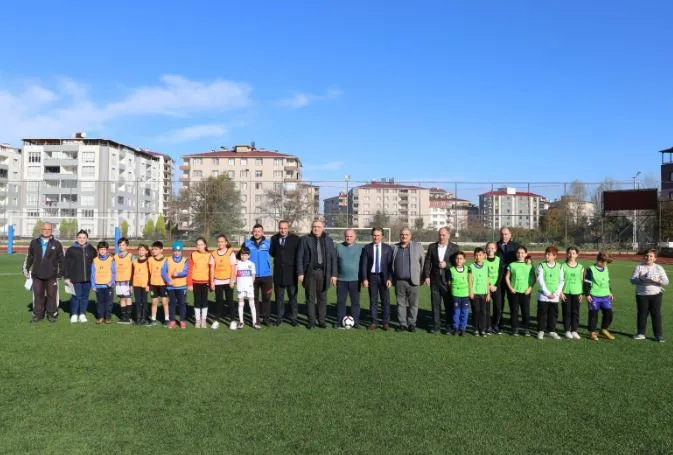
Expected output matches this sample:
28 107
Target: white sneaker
215 325
554 335
82 318
576 336
73 319
640 336
569 335
540 335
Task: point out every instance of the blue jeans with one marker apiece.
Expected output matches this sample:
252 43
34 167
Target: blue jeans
461 311
80 301
104 302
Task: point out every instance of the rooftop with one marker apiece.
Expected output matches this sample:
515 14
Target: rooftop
241 151
505 193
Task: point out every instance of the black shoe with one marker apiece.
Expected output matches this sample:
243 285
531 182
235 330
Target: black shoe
450 333
461 333
51 319
293 323
434 331
35 320
337 326
356 326
402 328
310 326
412 328
322 325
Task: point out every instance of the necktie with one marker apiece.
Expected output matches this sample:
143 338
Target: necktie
282 241
377 257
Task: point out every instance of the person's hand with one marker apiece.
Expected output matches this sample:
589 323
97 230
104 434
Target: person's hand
170 283
471 296
212 287
551 296
581 298
511 289
488 297
493 288
232 284
563 297
589 299
612 298
365 283
333 280
67 282
301 278
147 289
442 265
190 288
528 291
427 282
27 275
389 283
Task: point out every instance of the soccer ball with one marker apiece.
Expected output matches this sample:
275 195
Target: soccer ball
233 325
348 322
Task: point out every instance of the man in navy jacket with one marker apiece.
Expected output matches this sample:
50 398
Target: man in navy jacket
259 247
376 275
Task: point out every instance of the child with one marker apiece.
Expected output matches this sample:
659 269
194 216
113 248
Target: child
460 291
598 292
571 297
77 272
477 276
520 279
495 286
649 278
198 281
157 283
174 272
223 278
550 282
102 279
124 266
141 282
245 278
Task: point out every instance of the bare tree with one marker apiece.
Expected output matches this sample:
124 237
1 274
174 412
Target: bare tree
213 204
292 204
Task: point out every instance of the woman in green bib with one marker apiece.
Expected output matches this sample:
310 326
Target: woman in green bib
520 279
571 297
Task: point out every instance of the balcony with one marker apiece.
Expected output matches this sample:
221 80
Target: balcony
185 167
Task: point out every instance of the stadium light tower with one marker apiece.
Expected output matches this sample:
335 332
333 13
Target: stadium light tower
636 184
347 179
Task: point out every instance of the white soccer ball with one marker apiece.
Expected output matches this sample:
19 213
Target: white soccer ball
348 322
233 325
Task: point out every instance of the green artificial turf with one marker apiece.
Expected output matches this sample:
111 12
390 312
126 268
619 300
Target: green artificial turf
85 388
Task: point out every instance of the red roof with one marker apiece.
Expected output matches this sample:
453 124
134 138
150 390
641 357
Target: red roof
504 193
232 154
396 186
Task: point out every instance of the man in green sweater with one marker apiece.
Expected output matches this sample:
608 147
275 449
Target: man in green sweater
348 284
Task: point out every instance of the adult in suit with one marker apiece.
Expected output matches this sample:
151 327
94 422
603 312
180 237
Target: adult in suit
407 272
376 275
283 250
317 270
507 253
438 259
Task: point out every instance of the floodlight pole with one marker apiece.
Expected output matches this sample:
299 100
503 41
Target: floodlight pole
635 215
347 179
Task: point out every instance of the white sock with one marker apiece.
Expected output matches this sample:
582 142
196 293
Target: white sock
204 313
253 311
241 305
197 314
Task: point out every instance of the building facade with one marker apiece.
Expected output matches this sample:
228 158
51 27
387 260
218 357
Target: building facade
506 207
577 211
335 209
99 183
256 172
666 174
447 210
400 202
10 187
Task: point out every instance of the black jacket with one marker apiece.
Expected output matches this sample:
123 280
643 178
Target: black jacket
367 262
284 260
77 264
307 251
431 265
47 267
507 255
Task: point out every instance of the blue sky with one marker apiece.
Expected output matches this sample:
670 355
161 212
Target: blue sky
427 90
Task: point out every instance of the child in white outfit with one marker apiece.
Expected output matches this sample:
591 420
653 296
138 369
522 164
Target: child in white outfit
245 279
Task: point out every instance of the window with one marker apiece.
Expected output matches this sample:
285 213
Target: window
216 161
244 186
244 161
33 171
88 200
196 161
148 192
258 198
88 171
88 157
258 161
258 173
258 186
277 162
278 174
33 213
31 199
244 173
120 200
87 186
232 161
35 157
87 213
231 174
215 174
196 174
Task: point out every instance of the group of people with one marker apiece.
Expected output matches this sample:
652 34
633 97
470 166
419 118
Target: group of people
470 290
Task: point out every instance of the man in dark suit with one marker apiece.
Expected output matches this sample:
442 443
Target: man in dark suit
376 274
438 259
284 253
507 253
317 270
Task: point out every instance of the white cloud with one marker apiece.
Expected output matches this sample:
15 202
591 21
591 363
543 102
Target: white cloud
300 100
192 133
329 166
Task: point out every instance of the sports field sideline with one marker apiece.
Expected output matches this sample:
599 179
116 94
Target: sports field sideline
127 389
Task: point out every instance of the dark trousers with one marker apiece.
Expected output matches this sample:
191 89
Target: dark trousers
141 303
200 291
649 304
316 294
593 319
80 301
177 299
438 294
45 292
519 301
496 301
344 289
225 292
104 302
378 289
279 292
480 313
547 314
571 312
263 289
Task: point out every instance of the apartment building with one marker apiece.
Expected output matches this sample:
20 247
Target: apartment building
336 207
166 164
404 203
508 207
447 210
98 182
255 171
577 210
10 187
